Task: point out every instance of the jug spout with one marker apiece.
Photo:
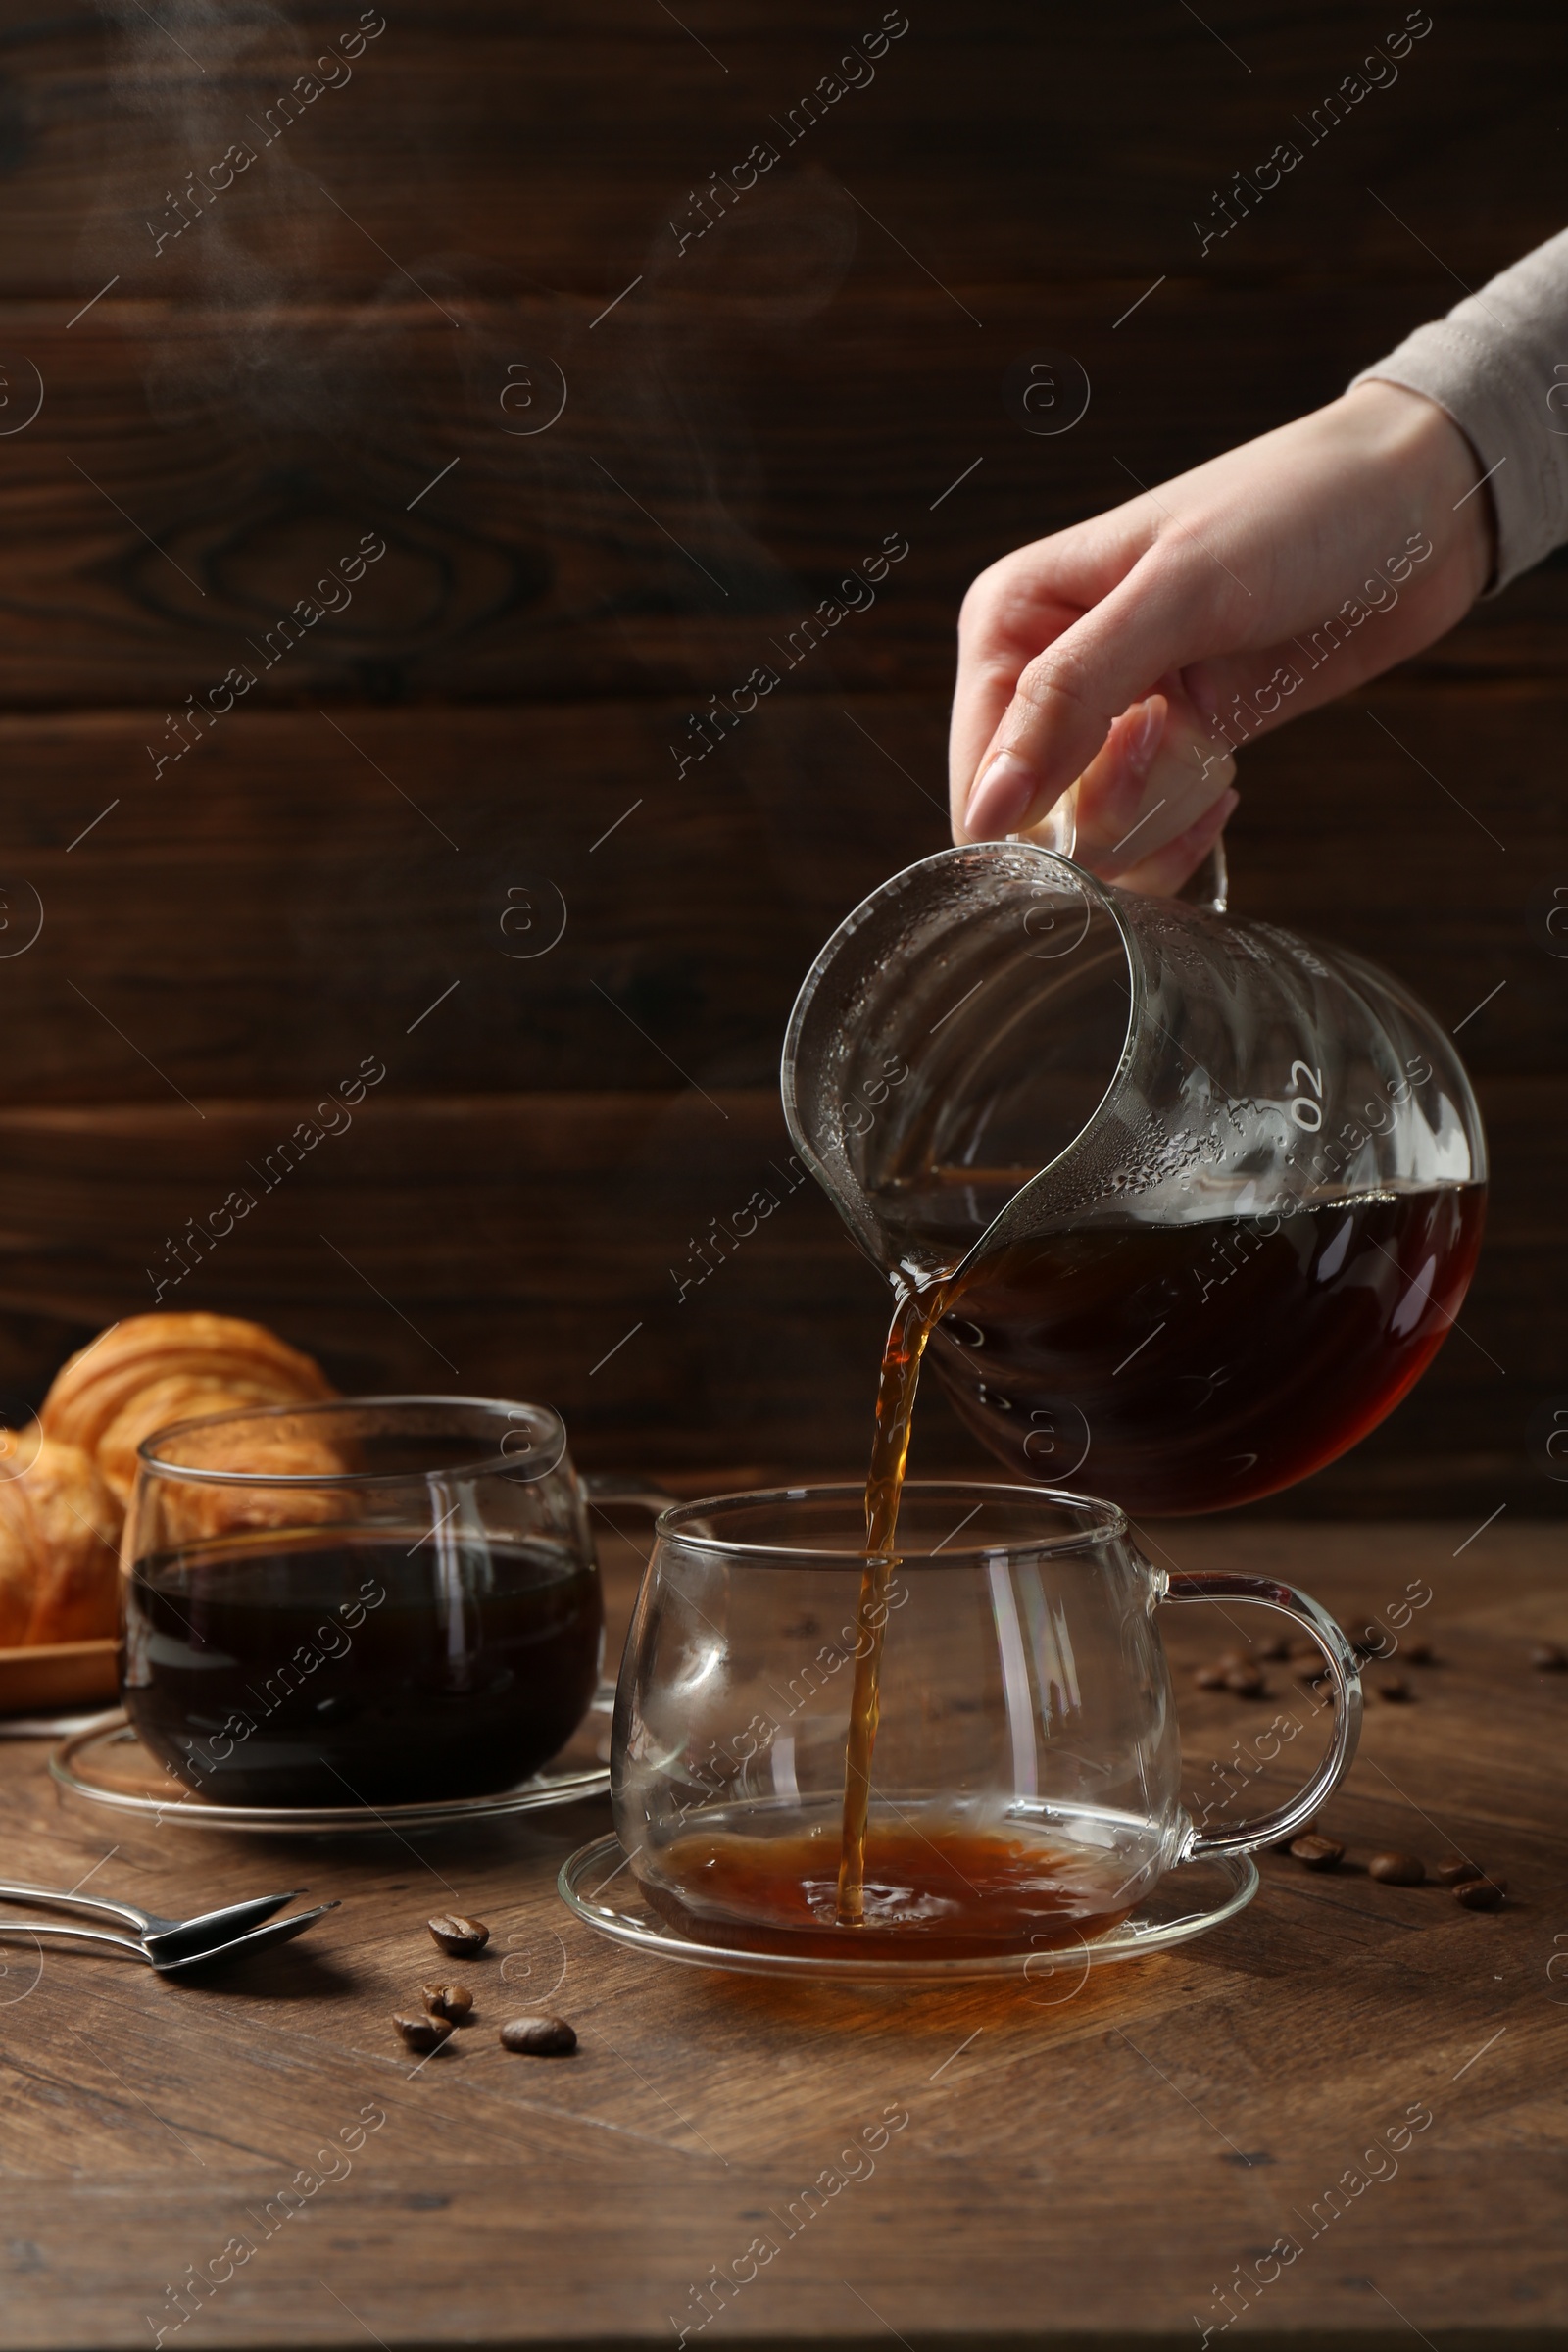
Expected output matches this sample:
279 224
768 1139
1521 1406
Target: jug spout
954 1037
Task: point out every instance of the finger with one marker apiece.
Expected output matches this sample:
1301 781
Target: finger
1005 623
1164 615
1108 797
1162 875
1157 773
1017 609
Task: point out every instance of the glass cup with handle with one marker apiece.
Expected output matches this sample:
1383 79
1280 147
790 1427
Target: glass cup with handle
1026 1775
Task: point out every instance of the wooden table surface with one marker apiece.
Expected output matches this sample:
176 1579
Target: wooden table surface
1366 2078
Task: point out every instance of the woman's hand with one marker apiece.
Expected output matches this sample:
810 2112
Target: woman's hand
1132 653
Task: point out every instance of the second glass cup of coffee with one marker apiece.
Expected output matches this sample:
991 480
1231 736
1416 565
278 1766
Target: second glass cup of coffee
970 1748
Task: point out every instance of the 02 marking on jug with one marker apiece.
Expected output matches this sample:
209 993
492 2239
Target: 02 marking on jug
1304 1110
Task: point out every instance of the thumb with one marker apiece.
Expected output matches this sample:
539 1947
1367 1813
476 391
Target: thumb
1160 770
1160 617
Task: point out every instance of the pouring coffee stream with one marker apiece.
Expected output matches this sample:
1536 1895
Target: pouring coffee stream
913 1320
1209 1196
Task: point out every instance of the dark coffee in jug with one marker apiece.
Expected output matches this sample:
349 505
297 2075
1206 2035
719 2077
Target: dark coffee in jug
1191 1367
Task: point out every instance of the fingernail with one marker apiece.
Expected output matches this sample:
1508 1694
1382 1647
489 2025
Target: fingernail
1149 728
1002 800
1120 772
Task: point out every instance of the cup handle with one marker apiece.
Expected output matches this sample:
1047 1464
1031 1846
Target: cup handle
631 1494
608 1486
1346 1678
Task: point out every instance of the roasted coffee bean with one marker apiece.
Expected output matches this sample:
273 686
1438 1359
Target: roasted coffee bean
1210 1677
455 2002
1317 1853
1481 1895
1397 1694
1418 1653
1550 1657
1276 1647
423 2034
1451 1873
462 1938
1397 1870
1247 1683
539 2037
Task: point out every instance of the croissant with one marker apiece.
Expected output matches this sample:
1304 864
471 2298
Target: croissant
186 1398
283 1448
60 1515
59 1541
151 1370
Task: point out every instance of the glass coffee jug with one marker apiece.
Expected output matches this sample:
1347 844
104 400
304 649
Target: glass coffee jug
1192 1201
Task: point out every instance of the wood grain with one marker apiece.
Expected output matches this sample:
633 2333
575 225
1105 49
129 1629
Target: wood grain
554 1139
1086 2169
323 352
1090 151
716 475
536 1245
299 891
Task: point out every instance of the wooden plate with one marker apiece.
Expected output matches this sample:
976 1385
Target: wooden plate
58 1674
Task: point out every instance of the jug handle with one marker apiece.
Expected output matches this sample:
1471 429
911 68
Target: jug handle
1209 887
1345 1676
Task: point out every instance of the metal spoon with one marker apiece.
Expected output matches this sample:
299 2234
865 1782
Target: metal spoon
166 1944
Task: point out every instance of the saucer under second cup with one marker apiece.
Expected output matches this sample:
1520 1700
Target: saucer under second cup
596 1883
962 1754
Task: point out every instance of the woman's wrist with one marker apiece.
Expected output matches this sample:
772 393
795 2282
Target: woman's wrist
1437 473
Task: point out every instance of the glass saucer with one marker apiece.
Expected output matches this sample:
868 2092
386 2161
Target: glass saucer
108 1766
1186 1903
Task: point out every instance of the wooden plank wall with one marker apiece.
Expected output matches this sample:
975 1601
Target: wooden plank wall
445 832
